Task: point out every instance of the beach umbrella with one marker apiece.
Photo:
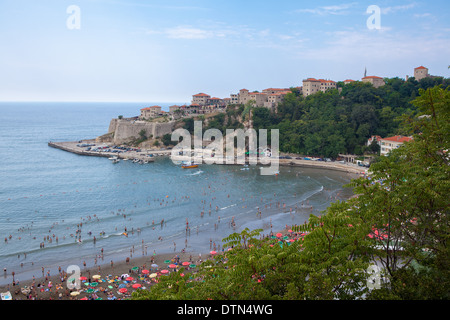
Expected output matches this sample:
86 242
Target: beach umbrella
154 265
192 266
123 290
153 275
136 285
129 279
164 271
93 284
173 266
90 290
186 263
122 286
213 252
85 298
83 278
167 261
74 293
145 271
125 275
135 268
97 276
279 235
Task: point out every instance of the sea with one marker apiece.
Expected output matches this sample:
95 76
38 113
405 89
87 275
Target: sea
59 209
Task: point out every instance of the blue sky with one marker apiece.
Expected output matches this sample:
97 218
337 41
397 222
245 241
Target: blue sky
166 51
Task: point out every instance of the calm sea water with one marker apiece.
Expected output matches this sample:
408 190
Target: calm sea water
47 193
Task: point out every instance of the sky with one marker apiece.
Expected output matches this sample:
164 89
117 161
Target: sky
167 51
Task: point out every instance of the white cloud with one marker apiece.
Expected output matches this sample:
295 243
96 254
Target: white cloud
188 33
325 10
394 9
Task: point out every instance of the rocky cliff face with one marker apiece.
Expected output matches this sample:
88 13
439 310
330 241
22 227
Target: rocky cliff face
122 130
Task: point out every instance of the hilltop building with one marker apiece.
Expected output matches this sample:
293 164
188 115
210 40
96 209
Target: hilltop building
420 73
312 85
200 99
374 80
150 112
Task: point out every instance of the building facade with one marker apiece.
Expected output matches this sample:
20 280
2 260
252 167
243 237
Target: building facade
374 80
420 73
391 143
200 99
312 85
150 112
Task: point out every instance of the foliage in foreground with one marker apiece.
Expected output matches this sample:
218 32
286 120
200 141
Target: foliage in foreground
399 221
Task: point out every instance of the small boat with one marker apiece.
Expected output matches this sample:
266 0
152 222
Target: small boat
114 159
189 165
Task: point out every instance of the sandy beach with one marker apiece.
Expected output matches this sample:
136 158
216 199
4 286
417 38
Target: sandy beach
108 281
54 287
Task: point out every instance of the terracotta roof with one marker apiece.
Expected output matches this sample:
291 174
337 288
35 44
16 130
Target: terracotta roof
275 89
150 108
372 77
348 80
421 67
398 139
312 79
201 95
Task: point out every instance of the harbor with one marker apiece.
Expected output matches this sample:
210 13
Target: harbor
117 153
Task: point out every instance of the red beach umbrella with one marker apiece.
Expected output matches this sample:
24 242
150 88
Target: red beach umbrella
136 285
213 252
145 271
164 271
173 266
279 234
83 278
123 290
186 263
129 279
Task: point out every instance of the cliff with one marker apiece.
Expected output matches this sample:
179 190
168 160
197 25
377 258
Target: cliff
123 130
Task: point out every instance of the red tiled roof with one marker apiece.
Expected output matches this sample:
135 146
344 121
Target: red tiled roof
421 67
150 108
312 79
372 77
398 139
201 95
349 80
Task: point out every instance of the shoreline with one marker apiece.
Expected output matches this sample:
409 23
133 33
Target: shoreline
71 146
54 287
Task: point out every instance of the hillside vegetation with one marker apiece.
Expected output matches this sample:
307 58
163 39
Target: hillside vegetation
326 124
